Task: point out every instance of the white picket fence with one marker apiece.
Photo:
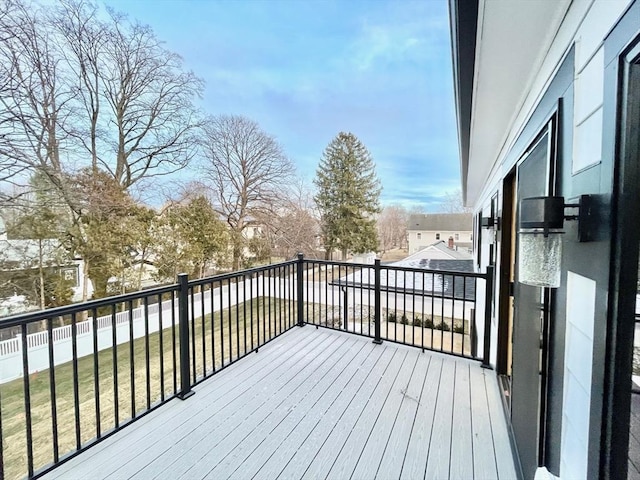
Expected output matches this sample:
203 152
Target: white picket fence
11 366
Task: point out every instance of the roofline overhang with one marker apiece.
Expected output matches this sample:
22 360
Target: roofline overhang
463 19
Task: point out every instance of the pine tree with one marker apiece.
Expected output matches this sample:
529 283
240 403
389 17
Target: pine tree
348 196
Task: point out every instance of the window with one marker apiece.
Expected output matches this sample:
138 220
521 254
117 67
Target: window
419 236
457 235
437 236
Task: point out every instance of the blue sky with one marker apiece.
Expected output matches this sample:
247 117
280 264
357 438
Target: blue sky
306 70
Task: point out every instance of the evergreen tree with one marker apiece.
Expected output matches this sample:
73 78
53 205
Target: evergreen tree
348 196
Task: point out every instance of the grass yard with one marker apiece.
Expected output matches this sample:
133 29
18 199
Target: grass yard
232 332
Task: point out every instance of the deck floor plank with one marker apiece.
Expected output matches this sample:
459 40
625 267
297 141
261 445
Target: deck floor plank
462 433
504 464
272 429
231 382
319 404
396 448
415 460
336 419
349 455
439 457
272 460
484 454
225 428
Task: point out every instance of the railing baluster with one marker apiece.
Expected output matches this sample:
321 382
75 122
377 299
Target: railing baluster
229 319
204 335
161 346
114 362
213 326
147 365
487 317
244 311
27 398
96 372
192 333
132 363
52 394
76 394
174 345
237 319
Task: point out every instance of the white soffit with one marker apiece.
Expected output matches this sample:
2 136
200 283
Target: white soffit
512 41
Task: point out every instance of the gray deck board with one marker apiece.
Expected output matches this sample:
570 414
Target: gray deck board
319 404
415 460
439 457
484 454
505 465
396 448
461 434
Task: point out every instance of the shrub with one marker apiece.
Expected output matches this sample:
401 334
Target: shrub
404 320
417 322
443 326
391 318
459 329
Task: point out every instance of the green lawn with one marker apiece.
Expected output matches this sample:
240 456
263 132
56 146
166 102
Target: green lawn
233 325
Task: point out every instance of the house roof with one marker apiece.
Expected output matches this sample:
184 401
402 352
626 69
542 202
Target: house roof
441 222
417 259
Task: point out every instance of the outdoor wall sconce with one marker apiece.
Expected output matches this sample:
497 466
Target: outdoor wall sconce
540 239
490 222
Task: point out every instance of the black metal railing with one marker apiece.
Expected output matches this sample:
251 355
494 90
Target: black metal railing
95 367
431 309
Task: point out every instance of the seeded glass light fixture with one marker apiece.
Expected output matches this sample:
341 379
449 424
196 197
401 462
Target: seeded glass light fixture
540 239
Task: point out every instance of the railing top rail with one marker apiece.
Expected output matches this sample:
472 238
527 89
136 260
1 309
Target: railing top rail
400 269
23 318
240 273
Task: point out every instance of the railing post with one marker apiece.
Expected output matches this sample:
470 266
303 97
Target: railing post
183 325
300 288
488 300
376 300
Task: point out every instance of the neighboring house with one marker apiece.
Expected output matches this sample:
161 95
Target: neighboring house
425 229
27 254
548 105
438 253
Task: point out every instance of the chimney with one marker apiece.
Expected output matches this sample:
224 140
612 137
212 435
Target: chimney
450 245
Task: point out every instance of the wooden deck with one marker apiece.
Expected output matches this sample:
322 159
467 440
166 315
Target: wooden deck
319 404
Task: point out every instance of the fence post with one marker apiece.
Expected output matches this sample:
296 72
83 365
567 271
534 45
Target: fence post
376 301
183 325
488 299
300 288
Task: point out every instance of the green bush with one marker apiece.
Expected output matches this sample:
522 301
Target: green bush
417 322
443 326
459 329
391 318
404 320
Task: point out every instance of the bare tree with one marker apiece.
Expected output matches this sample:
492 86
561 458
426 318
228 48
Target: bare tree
294 227
247 170
81 92
452 203
392 228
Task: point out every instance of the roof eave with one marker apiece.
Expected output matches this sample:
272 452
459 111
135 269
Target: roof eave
463 19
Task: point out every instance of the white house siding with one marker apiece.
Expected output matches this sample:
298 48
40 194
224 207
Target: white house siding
428 237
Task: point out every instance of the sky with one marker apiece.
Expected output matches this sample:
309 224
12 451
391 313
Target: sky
306 70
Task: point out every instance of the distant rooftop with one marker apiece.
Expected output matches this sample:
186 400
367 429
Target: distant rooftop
441 221
418 259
